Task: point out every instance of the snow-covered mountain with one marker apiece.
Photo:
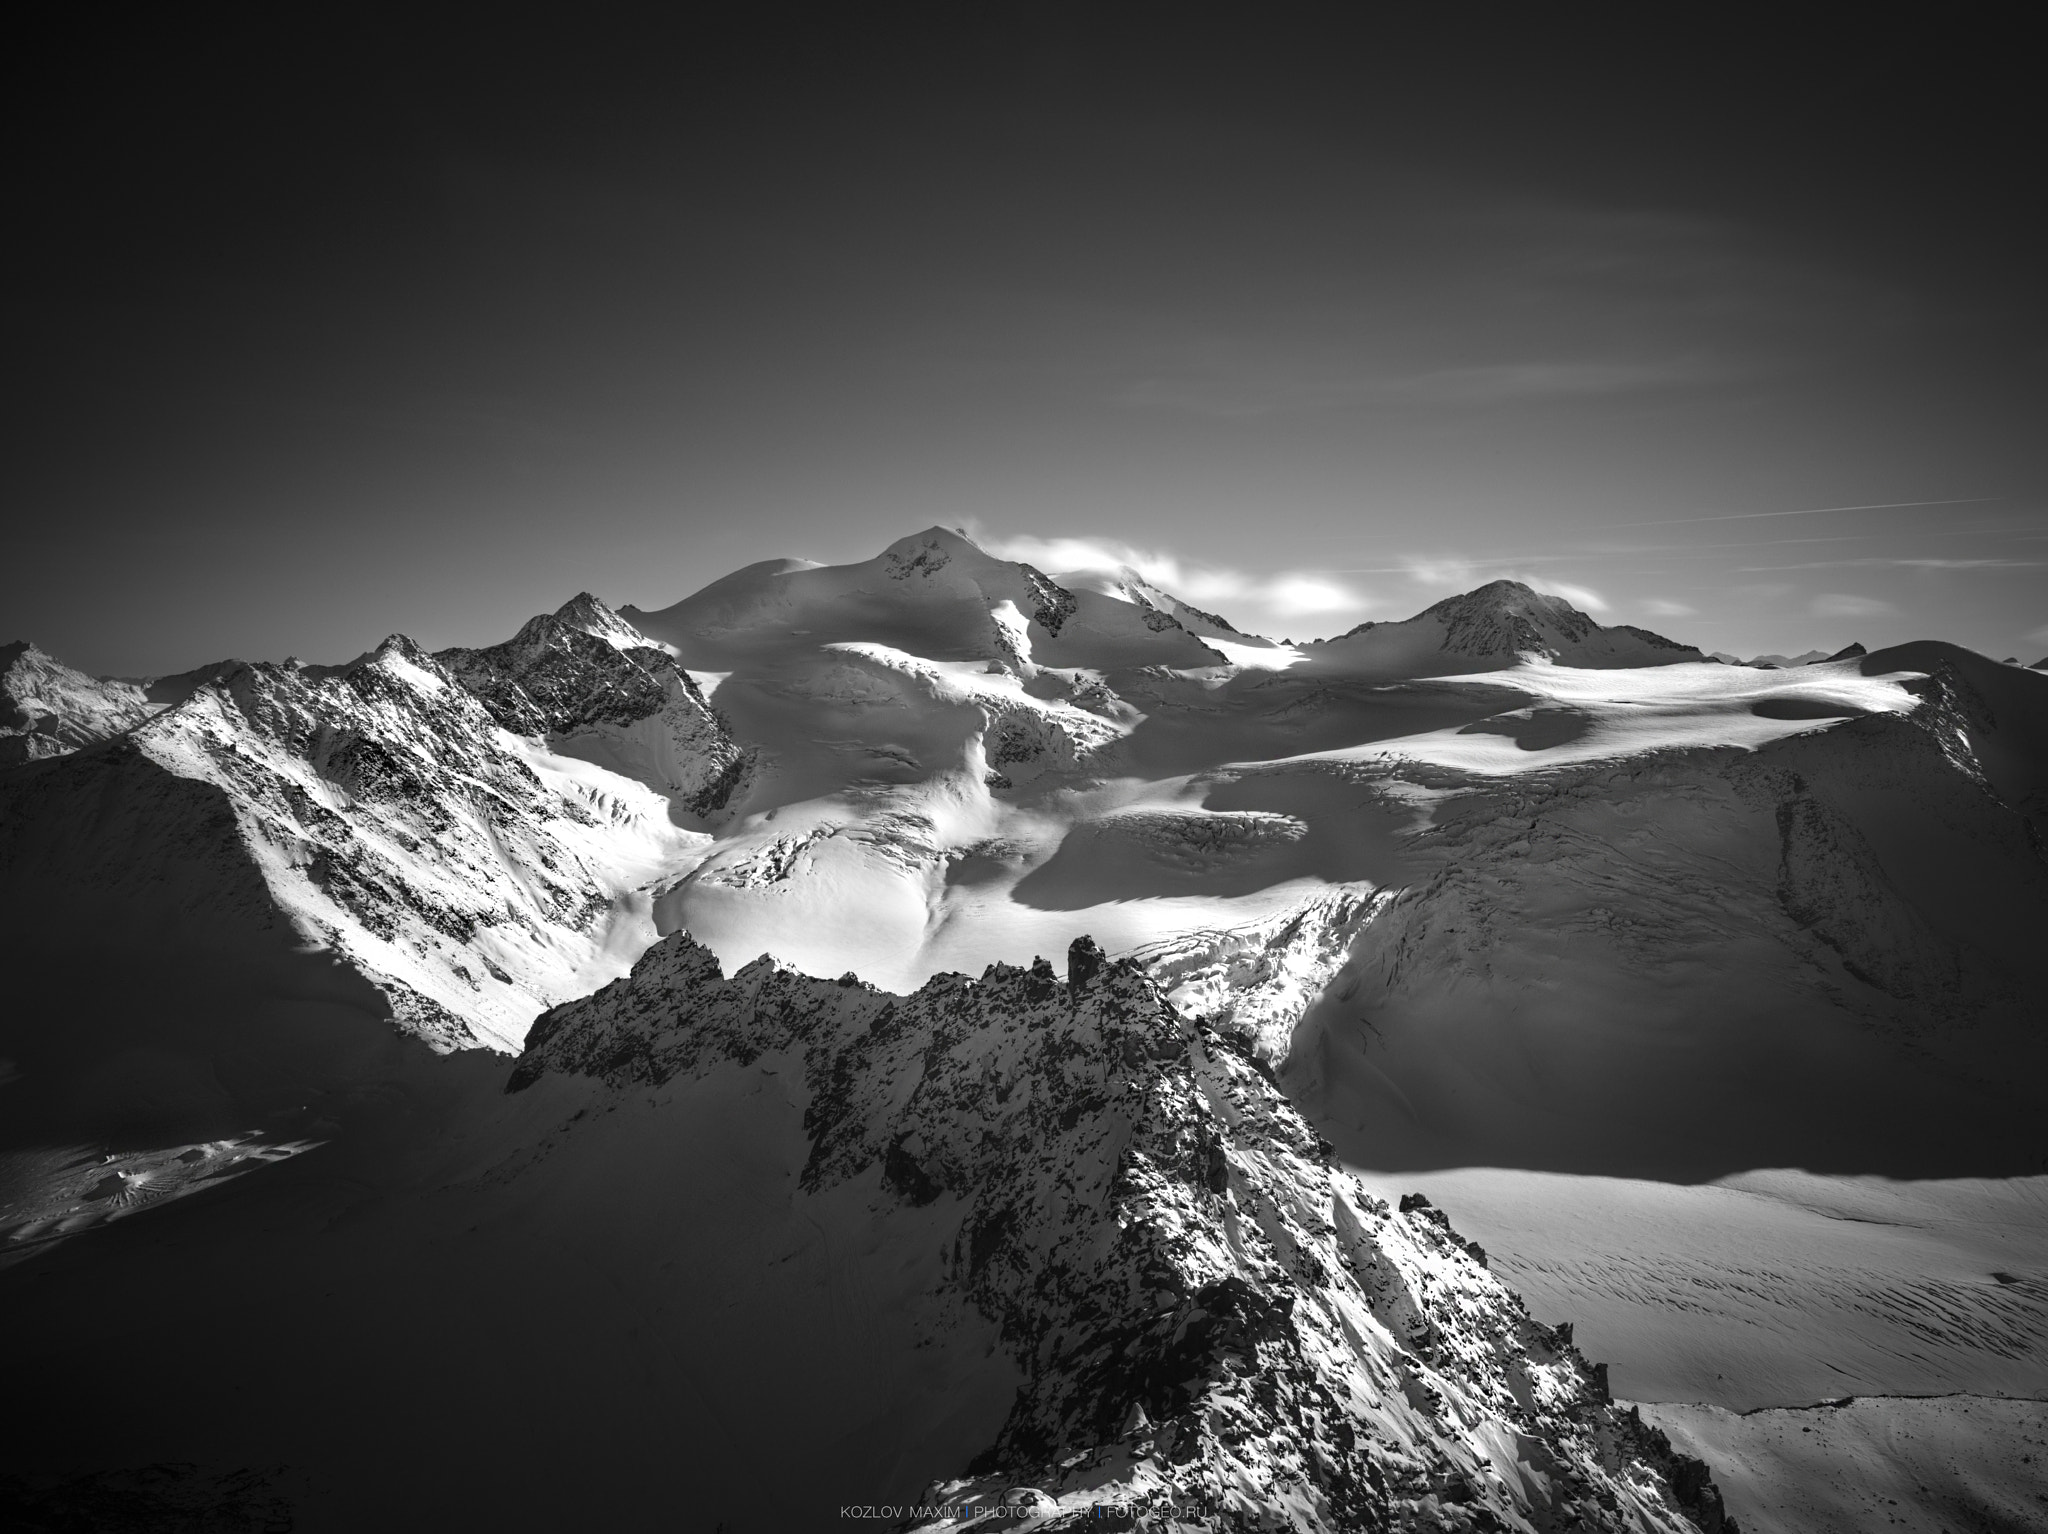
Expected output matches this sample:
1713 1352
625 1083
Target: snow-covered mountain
47 709
936 595
596 689
1493 886
1493 627
448 839
937 760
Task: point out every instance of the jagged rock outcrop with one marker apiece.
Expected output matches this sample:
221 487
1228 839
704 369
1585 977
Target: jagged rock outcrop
1027 736
1217 1325
1256 981
595 687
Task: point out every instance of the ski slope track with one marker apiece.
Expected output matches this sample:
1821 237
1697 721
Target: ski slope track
1704 996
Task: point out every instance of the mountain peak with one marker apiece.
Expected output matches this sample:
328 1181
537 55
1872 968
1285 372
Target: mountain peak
592 616
1505 588
946 540
1503 596
1498 625
403 647
48 709
1507 616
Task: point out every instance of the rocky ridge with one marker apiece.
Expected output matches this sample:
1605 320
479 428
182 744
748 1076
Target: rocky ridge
1217 1325
1256 981
415 826
588 682
47 708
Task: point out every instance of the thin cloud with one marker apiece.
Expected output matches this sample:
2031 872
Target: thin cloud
1804 511
1659 607
1837 604
1058 554
1224 393
1304 595
1579 596
1439 572
1457 568
1906 564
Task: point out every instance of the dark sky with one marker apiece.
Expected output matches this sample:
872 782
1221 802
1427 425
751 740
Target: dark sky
323 328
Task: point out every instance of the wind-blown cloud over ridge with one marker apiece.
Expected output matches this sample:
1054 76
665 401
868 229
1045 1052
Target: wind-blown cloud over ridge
1290 596
1286 595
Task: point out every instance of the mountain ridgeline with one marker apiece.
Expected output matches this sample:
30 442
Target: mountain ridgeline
625 1020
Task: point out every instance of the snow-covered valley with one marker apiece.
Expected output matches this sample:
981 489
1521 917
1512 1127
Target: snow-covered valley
1703 998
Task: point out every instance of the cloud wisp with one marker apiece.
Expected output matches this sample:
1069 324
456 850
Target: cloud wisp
1803 511
1226 393
1293 594
1457 573
1285 595
1398 586
1875 563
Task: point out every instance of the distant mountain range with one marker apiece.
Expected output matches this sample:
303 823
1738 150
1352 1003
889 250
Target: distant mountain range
1494 885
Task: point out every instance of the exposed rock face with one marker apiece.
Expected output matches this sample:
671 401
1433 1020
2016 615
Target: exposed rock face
585 678
47 709
1498 624
1256 981
1025 736
1215 1322
1506 617
164 1496
1054 605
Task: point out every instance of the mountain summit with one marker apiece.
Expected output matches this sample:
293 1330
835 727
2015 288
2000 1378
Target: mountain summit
1493 627
935 594
47 708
